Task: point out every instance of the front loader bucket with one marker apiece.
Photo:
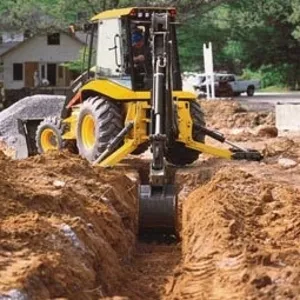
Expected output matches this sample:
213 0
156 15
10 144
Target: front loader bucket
26 145
157 209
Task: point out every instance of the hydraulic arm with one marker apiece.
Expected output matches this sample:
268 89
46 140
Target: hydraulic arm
157 209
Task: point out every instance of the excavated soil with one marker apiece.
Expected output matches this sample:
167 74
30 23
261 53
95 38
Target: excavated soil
238 122
68 230
65 228
240 240
230 114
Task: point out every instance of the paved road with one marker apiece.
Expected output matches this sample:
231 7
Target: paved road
267 101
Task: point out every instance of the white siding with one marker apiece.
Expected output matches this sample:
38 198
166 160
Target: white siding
37 50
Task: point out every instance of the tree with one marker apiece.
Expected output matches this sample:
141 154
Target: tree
261 35
266 33
294 18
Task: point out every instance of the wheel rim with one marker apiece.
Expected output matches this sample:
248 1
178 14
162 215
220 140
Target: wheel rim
49 140
88 132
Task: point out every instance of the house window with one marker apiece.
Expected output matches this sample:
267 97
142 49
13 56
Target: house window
54 39
43 72
18 72
27 34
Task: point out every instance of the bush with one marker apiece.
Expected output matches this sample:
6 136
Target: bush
279 76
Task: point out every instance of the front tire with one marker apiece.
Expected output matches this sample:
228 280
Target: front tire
99 121
179 154
49 135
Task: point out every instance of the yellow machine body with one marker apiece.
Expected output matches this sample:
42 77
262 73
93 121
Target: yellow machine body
117 92
136 107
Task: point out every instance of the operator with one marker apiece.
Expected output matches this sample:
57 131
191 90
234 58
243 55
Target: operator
137 40
141 59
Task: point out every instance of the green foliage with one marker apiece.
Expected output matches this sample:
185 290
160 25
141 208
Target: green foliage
259 35
275 89
294 18
193 33
76 65
269 75
80 64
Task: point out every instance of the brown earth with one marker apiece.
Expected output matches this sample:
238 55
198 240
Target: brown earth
6 150
240 240
65 227
236 122
67 230
230 114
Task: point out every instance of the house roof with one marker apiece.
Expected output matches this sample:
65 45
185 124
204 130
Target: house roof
6 48
81 36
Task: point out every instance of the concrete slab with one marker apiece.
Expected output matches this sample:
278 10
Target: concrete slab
287 117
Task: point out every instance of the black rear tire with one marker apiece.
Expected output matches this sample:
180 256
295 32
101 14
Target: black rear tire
179 154
250 91
99 121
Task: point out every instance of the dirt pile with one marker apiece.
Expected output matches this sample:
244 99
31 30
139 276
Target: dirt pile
283 146
240 240
231 114
68 230
10 152
65 229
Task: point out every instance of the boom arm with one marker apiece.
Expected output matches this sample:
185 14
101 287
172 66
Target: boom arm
162 128
157 206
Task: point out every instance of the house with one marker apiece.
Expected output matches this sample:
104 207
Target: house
40 57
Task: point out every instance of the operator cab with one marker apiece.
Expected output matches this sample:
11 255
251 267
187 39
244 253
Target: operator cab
120 47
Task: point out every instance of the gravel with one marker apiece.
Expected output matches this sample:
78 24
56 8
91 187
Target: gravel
13 295
32 107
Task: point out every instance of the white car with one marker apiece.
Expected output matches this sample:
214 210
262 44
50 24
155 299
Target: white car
238 86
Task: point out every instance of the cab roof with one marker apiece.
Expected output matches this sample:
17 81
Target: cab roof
116 13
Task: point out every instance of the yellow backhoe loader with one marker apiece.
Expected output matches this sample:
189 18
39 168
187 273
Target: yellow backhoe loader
130 99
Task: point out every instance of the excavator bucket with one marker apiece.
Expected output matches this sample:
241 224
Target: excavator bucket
157 209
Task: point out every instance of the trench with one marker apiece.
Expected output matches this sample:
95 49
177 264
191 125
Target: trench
156 259
68 230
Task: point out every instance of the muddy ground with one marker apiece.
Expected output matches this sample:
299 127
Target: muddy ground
68 230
